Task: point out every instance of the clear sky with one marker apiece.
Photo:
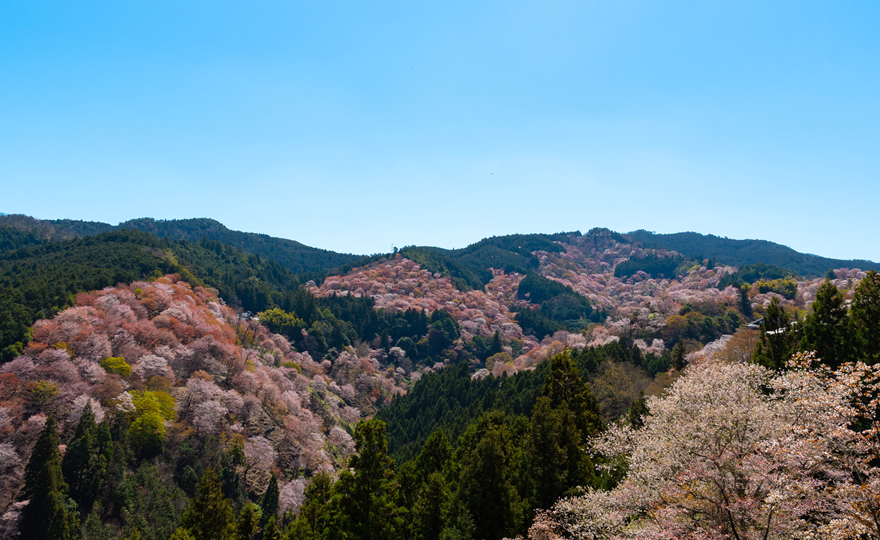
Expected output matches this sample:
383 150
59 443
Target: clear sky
357 125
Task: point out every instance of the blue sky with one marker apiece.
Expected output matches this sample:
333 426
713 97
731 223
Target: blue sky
356 126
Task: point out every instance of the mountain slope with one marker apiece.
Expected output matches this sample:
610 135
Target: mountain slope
36 281
743 252
295 256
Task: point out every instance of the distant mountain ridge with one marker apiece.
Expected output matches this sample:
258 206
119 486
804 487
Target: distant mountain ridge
468 266
743 252
297 257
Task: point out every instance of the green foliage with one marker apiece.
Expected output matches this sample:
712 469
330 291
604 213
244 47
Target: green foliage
745 304
450 400
558 302
293 255
85 462
865 314
210 515
655 266
469 266
280 322
42 392
149 401
116 365
746 252
181 534
565 387
269 504
778 341
150 505
49 515
12 238
827 329
533 322
557 461
314 515
364 500
271 531
147 430
678 356
487 485
754 273
786 287
637 412
248 522
147 433
559 306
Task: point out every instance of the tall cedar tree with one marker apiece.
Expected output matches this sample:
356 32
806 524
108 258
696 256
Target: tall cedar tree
777 341
486 489
430 469
745 304
269 504
86 459
364 500
866 318
678 356
49 514
314 515
248 522
565 385
271 532
827 329
210 515
559 460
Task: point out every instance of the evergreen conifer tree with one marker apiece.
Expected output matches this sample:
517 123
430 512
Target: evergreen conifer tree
678 356
364 502
486 489
248 522
270 531
865 313
269 504
564 384
85 462
827 329
777 343
49 514
209 515
745 305
315 512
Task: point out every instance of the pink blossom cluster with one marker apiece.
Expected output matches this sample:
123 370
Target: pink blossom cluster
402 284
226 375
735 451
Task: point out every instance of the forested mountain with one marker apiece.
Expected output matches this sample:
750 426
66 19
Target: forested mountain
173 388
293 255
38 280
42 278
470 267
745 252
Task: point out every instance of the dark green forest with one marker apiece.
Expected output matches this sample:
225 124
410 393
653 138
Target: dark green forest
470 266
41 278
504 460
745 252
293 255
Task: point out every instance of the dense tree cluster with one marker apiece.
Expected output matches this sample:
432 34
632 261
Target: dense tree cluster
294 256
152 384
745 252
651 264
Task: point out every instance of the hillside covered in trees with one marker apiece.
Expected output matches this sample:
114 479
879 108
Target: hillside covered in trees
294 256
154 387
745 252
